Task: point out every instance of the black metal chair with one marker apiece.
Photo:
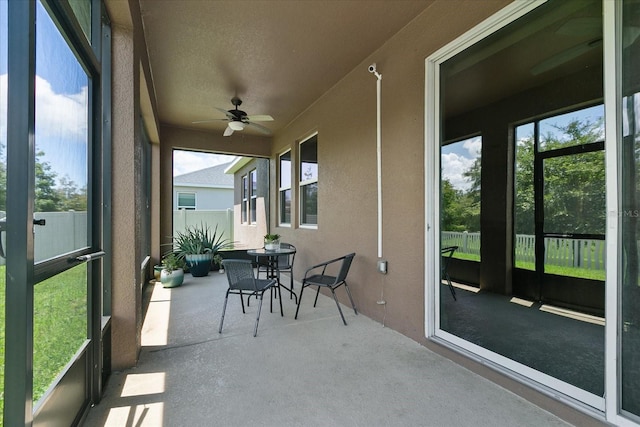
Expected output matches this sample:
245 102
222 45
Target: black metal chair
447 254
243 282
317 276
284 263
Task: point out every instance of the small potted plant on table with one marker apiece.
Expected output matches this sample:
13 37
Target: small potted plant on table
272 242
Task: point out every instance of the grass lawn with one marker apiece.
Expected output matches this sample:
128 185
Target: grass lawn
584 273
60 326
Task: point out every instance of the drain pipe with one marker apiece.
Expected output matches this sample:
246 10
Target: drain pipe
382 264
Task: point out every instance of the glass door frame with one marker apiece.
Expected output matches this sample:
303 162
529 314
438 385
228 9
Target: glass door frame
609 406
22 274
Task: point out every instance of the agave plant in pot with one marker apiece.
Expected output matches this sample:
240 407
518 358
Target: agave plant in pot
197 245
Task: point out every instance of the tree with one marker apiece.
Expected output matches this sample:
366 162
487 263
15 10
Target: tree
47 198
71 198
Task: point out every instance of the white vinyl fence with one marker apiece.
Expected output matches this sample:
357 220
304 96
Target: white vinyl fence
63 232
223 219
67 231
583 253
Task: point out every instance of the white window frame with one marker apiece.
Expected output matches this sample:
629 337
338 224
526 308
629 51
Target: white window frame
195 200
244 192
253 196
304 183
282 189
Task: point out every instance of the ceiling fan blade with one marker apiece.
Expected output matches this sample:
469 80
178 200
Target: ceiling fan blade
226 113
260 128
260 118
209 121
228 131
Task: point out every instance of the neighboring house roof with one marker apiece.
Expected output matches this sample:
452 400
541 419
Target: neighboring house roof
208 177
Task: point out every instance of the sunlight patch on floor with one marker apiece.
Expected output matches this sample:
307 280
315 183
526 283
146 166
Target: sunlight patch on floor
143 384
136 415
572 314
522 302
156 324
466 287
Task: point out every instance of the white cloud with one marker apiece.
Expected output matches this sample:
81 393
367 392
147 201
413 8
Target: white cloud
189 161
473 146
453 167
61 127
61 116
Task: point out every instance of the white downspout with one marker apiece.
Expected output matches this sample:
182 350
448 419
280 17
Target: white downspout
372 69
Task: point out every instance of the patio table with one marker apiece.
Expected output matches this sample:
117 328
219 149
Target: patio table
272 263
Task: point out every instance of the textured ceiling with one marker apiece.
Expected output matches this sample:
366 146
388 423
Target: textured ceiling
277 56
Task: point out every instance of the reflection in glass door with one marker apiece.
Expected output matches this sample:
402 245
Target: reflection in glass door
542 179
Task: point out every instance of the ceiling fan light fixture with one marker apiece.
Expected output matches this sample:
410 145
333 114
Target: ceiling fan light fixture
237 125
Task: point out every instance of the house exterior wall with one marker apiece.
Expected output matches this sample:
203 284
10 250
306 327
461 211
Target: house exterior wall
251 235
206 198
347 219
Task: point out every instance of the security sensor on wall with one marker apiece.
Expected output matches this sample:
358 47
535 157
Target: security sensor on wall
372 70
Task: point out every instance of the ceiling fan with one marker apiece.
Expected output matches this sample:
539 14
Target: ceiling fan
239 119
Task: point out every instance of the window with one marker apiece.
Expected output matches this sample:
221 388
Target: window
285 188
460 191
253 176
566 152
186 200
245 199
309 181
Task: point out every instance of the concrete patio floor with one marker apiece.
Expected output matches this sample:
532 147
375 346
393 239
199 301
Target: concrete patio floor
313 371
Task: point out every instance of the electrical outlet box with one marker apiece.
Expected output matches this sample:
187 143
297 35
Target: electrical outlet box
382 266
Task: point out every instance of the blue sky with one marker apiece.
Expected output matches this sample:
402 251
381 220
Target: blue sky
189 161
61 99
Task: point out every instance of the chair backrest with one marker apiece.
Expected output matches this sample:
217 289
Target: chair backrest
239 271
447 254
286 261
344 268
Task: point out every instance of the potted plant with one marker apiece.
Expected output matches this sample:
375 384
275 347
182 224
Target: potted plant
197 245
272 242
217 261
172 274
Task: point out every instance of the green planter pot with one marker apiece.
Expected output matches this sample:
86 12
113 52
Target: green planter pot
173 279
199 264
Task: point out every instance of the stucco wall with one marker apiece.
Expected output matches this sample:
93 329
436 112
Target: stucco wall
347 219
347 198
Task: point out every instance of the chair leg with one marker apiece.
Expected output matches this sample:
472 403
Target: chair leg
291 293
280 299
451 288
317 293
350 298
255 330
242 302
224 308
335 298
299 301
